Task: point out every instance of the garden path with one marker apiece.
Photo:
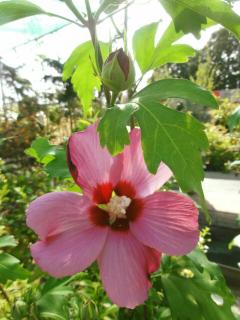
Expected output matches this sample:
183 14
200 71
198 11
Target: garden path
222 192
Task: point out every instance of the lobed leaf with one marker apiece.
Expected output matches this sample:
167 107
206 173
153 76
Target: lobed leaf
53 157
190 15
177 88
176 139
112 128
149 57
143 45
80 67
178 53
41 150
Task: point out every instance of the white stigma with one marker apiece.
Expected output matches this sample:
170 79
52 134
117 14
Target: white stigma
117 206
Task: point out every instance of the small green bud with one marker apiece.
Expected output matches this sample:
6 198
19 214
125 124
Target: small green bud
20 309
118 72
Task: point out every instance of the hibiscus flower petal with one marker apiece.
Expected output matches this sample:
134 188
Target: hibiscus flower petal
90 164
56 212
124 267
168 223
153 259
135 171
69 252
69 241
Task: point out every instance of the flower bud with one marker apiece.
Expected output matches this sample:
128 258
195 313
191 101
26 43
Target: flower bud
20 310
118 72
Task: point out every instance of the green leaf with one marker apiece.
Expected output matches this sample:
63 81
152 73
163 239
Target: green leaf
170 35
112 128
80 67
149 57
58 166
234 119
10 268
41 150
177 88
143 45
53 303
176 139
7 241
178 53
190 15
202 263
17 9
196 289
53 157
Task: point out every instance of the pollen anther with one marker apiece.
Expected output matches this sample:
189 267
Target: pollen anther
117 208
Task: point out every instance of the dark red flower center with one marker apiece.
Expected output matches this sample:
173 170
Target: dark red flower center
105 196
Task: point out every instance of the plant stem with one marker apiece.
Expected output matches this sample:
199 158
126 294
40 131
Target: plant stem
125 30
98 54
93 33
102 7
119 33
5 295
132 123
64 18
75 11
145 313
114 98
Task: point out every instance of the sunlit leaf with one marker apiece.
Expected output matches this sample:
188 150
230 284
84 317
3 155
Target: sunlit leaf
80 67
7 241
115 137
58 166
143 45
17 9
41 150
53 157
191 15
170 35
177 88
178 53
176 139
149 56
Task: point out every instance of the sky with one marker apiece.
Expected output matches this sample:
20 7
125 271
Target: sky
59 45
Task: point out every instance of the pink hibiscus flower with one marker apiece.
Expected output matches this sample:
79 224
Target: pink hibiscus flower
120 221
